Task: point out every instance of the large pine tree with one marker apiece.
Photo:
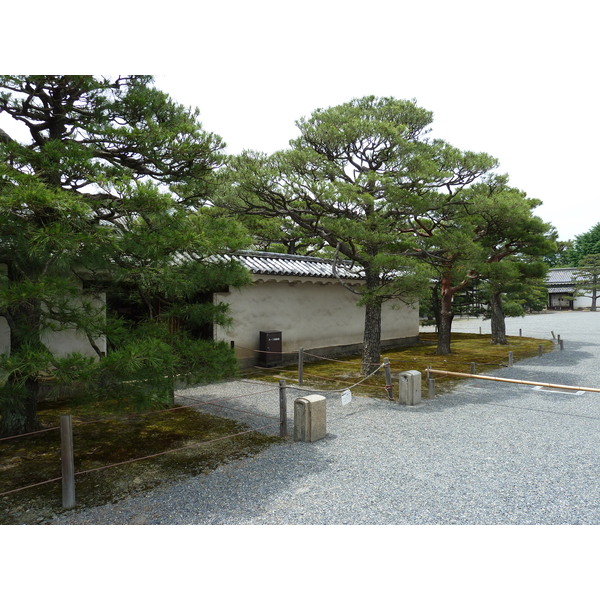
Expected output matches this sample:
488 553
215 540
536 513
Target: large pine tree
103 184
365 178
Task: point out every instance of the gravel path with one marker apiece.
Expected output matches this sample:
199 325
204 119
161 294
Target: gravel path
487 453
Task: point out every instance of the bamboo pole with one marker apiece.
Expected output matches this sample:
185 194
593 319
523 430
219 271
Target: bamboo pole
520 381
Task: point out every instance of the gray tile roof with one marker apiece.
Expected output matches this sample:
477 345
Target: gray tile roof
270 263
562 280
560 276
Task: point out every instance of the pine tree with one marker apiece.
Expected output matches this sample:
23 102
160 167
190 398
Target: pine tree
105 187
365 178
587 279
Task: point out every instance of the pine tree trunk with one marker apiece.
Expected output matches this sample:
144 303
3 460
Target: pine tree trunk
30 402
371 356
20 411
497 319
435 302
446 317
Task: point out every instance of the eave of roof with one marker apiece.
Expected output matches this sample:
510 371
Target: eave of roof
271 263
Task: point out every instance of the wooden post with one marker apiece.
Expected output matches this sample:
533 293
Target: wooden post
510 359
520 332
540 350
282 409
480 331
67 462
561 344
300 366
553 336
472 368
388 378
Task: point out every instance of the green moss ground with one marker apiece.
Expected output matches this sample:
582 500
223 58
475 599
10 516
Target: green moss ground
116 438
466 349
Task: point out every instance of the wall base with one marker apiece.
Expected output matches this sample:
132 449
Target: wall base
332 352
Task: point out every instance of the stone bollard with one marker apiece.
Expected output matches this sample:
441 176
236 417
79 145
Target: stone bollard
310 418
410 387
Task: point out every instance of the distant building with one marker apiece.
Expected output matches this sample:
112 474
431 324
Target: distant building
561 286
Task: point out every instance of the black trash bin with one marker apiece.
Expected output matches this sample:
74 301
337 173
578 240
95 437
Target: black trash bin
270 345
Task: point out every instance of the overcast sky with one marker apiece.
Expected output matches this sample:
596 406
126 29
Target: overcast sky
515 79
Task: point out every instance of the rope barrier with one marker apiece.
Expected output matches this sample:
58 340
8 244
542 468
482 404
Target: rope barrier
234 409
172 409
341 380
13 491
12 437
188 406
348 387
125 462
347 362
30 486
252 382
129 416
265 351
163 410
259 368
356 362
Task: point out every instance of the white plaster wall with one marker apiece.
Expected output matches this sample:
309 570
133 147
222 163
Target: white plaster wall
309 315
60 343
399 320
582 302
579 302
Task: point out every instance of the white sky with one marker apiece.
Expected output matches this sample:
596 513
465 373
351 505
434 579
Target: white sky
515 79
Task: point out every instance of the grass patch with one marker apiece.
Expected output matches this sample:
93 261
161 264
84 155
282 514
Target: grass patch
117 437
467 348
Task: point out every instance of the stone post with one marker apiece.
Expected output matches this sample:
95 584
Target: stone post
310 418
410 387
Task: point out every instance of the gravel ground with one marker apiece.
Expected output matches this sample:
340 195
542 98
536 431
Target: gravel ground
487 453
